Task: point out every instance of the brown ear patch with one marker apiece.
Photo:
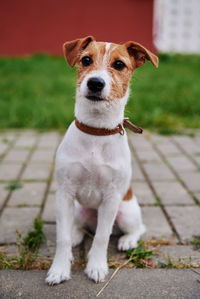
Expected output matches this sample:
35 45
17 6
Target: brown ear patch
140 54
73 48
129 194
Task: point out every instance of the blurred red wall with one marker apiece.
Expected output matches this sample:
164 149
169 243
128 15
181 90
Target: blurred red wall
41 26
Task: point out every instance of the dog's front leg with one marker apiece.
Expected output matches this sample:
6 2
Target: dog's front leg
61 266
97 267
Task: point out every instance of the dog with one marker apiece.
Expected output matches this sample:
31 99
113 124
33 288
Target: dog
93 162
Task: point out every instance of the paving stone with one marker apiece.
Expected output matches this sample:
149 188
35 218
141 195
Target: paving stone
26 141
146 156
168 149
43 156
9 171
140 143
49 140
36 171
29 194
15 155
187 143
196 157
179 253
49 213
186 220
158 139
192 180
156 224
172 193
3 147
3 194
158 171
136 172
181 163
9 136
28 133
13 219
143 193
50 234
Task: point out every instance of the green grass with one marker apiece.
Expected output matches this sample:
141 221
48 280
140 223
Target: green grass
139 256
39 92
196 243
13 185
27 249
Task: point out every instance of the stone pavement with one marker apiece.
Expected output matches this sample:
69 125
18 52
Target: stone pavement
166 179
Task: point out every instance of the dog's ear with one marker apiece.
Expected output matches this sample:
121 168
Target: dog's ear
140 54
72 49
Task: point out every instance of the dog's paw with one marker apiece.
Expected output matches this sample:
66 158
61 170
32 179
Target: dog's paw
128 241
57 275
96 272
77 236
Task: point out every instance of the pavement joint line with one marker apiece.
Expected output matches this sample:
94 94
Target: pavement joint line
50 222
174 172
156 195
173 141
24 165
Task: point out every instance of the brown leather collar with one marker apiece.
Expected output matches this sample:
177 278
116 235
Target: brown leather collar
105 132
99 131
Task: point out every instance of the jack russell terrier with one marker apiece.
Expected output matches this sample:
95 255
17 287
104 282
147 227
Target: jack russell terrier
93 162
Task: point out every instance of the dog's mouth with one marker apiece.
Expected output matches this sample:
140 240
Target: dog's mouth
94 98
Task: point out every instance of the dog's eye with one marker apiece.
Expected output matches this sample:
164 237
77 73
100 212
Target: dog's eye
118 65
87 60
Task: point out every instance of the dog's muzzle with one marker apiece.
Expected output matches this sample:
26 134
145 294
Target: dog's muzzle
95 86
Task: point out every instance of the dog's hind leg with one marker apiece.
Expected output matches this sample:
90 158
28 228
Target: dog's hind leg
129 220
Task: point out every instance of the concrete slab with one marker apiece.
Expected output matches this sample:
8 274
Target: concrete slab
128 283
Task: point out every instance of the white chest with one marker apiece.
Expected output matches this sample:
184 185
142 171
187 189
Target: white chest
94 165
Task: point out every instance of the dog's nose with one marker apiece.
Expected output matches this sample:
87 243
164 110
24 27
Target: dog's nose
96 84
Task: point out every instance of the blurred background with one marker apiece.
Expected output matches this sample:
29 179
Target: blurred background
37 87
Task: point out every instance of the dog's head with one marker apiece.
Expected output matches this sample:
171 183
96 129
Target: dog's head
105 69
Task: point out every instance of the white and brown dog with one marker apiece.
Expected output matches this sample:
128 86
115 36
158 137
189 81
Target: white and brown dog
93 162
